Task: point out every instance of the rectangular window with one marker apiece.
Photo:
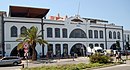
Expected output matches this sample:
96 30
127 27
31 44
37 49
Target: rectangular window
95 34
90 34
49 32
64 33
101 34
57 32
58 50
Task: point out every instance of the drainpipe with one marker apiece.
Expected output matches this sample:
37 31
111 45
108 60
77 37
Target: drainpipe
42 36
123 38
105 37
2 28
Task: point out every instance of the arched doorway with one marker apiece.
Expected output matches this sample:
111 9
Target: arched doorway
20 53
79 49
113 47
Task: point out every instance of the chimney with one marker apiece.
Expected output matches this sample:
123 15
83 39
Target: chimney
3 13
66 16
58 15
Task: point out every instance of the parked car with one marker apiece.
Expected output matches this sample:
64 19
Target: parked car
11 60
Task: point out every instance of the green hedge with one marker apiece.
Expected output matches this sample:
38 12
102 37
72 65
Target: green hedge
80 66
98 58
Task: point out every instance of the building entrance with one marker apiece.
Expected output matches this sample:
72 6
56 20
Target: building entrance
78 49
113 46
20 53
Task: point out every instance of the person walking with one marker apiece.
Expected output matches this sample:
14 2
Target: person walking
117 56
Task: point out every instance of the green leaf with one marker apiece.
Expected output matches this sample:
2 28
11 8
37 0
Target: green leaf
20 46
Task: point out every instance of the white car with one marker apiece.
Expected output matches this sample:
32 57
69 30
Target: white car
10 61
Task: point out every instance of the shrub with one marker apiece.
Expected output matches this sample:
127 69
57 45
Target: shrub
81 66
91 65
98 58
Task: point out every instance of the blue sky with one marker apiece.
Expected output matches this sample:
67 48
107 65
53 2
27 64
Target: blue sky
115 11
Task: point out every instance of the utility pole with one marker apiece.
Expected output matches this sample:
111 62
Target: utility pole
2 34
105 36
42 36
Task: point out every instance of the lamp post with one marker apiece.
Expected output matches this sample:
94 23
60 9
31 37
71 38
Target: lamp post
83 50
91 46
42 36
126 47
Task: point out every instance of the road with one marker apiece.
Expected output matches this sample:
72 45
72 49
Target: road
66 61
118 67
54 62
10 67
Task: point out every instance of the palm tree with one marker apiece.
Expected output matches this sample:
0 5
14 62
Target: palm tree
31 37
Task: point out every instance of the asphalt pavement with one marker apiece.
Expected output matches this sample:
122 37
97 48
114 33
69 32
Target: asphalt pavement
66 61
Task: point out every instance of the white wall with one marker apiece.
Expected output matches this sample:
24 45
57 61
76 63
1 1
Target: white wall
8 26
0 33
61 24
10 42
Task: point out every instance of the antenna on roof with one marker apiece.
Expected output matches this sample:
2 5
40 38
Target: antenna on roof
78 9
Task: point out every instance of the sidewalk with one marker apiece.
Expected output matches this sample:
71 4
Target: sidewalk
123 57
55 62
62 61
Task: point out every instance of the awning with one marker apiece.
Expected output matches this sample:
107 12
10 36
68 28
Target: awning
29 12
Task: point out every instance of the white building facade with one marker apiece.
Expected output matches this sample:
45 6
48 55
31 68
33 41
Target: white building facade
73 34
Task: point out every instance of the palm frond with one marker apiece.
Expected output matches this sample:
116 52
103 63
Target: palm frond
38 36
44 41
41 41
20 45
20 39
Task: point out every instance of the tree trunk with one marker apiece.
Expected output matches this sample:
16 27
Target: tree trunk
34 54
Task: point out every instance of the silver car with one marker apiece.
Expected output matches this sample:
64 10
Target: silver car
10 61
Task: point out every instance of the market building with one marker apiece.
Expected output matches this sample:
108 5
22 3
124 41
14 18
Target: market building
65 35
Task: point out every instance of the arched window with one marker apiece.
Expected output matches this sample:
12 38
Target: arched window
91 45
102 46
64 33
50 48
14 31
118 35
96 45
110 35
77 33
101 33
49 32
23 30
90 33
114 35
57 32
58 49
95 34
65 49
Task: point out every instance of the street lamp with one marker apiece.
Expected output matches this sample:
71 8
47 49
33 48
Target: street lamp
83 50
91 46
